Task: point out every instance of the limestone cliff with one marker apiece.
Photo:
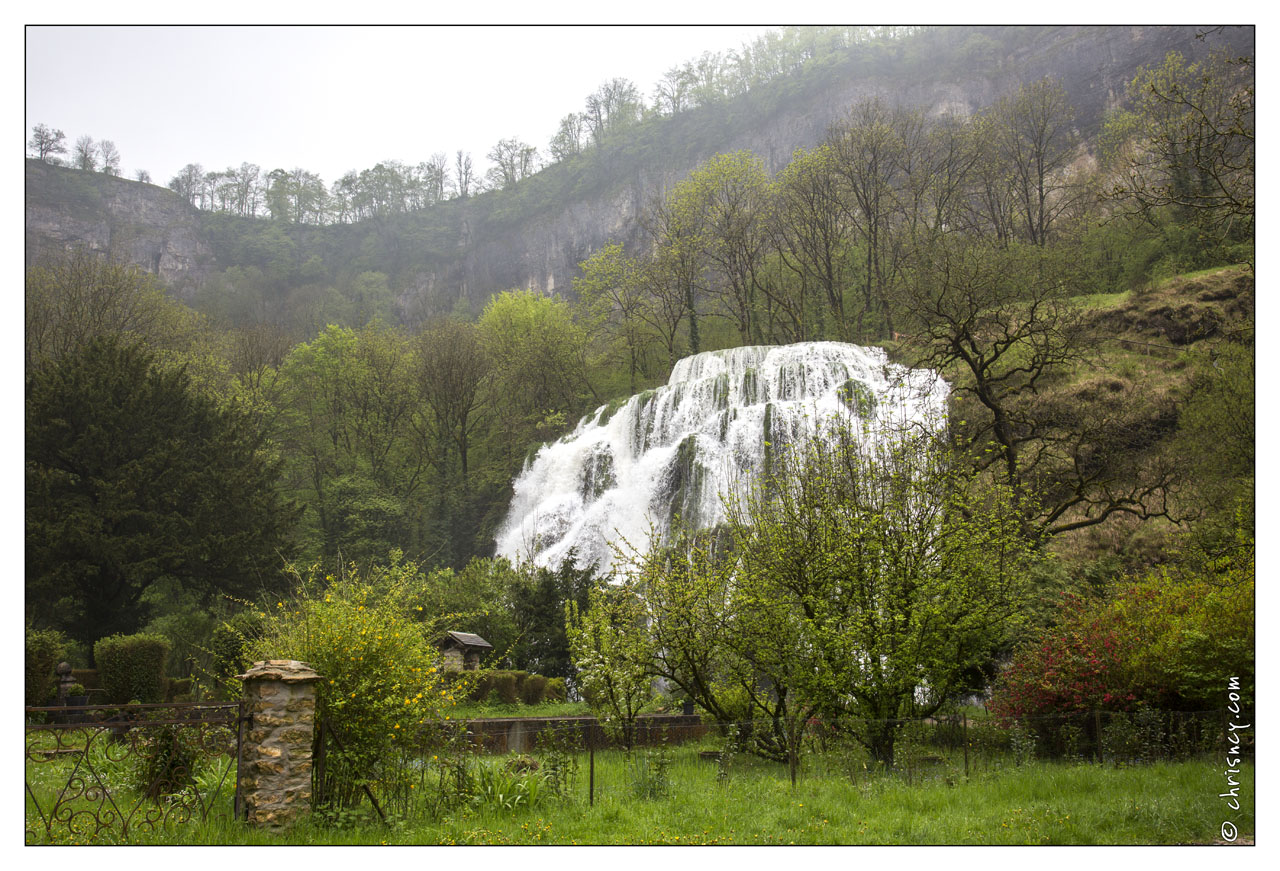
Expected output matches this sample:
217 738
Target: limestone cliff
535 236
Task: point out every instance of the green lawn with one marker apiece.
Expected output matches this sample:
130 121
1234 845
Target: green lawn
1037 803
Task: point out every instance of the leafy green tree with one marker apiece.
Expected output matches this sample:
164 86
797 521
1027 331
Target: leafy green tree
538 357
538 606
613 296
872 581
356 460
73 299
132 477
731 196
864 585
610 650
811 231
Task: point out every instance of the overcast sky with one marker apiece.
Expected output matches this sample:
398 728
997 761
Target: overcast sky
332 99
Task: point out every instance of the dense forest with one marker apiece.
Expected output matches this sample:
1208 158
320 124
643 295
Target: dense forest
1089 298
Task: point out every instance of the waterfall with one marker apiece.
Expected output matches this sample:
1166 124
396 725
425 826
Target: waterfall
630 469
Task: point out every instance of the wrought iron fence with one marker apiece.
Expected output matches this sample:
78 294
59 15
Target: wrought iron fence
114 773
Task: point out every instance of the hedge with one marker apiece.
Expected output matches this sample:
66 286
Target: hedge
131 667
44 649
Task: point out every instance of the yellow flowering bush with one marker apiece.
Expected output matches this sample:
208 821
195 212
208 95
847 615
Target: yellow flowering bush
381 690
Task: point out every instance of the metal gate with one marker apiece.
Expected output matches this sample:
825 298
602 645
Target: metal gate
107 774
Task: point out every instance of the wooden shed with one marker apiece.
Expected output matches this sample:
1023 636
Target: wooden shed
462 651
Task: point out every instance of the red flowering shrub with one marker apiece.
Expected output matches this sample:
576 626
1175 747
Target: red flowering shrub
1078 666
1163 642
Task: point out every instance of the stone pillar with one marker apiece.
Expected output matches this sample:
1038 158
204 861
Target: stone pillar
275 769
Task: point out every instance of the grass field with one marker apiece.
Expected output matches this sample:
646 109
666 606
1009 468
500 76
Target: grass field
688 803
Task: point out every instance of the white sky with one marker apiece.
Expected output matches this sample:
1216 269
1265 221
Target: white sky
332 99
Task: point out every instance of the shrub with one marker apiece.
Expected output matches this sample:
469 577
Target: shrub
166 763
76 690
1164 642
44 649
534 689
228 642
557 691
177 687
381 687
504 687
132 667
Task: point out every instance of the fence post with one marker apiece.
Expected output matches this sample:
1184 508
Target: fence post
276 777
964 733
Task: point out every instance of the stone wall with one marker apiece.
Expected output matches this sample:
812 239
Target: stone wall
520 734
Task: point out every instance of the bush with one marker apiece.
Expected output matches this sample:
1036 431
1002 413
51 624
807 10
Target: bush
131 667
44 649
1164 642
381 687
557 690
228 642
505 689
178 687
534 689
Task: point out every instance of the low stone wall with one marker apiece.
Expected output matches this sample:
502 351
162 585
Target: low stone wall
520 734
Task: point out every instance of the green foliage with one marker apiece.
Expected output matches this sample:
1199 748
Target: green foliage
610 648
556 690
534 690
1167 641
133 477
381 687
132 667
44 650
167 763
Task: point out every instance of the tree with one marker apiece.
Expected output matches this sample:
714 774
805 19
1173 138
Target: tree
132 476
613 297
1035 141
568 139
861 583
810 230
731 197
514 161
142 175
999 320
873 578
463 174
110 157
355 457
613 106
1187 143
85 155
187 182
47 143
78 297
610 649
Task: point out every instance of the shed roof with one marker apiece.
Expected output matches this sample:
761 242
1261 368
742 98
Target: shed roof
469 639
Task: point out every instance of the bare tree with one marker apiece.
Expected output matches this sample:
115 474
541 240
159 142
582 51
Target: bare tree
85 155
47 143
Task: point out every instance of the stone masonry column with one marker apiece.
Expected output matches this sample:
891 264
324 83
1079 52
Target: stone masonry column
275 772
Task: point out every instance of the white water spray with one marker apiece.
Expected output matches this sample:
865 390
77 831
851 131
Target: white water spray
630 471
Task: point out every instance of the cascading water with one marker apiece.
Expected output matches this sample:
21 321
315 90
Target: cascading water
629 471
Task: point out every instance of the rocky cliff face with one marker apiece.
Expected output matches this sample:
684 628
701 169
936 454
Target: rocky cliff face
1094 64
139 223
156 229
